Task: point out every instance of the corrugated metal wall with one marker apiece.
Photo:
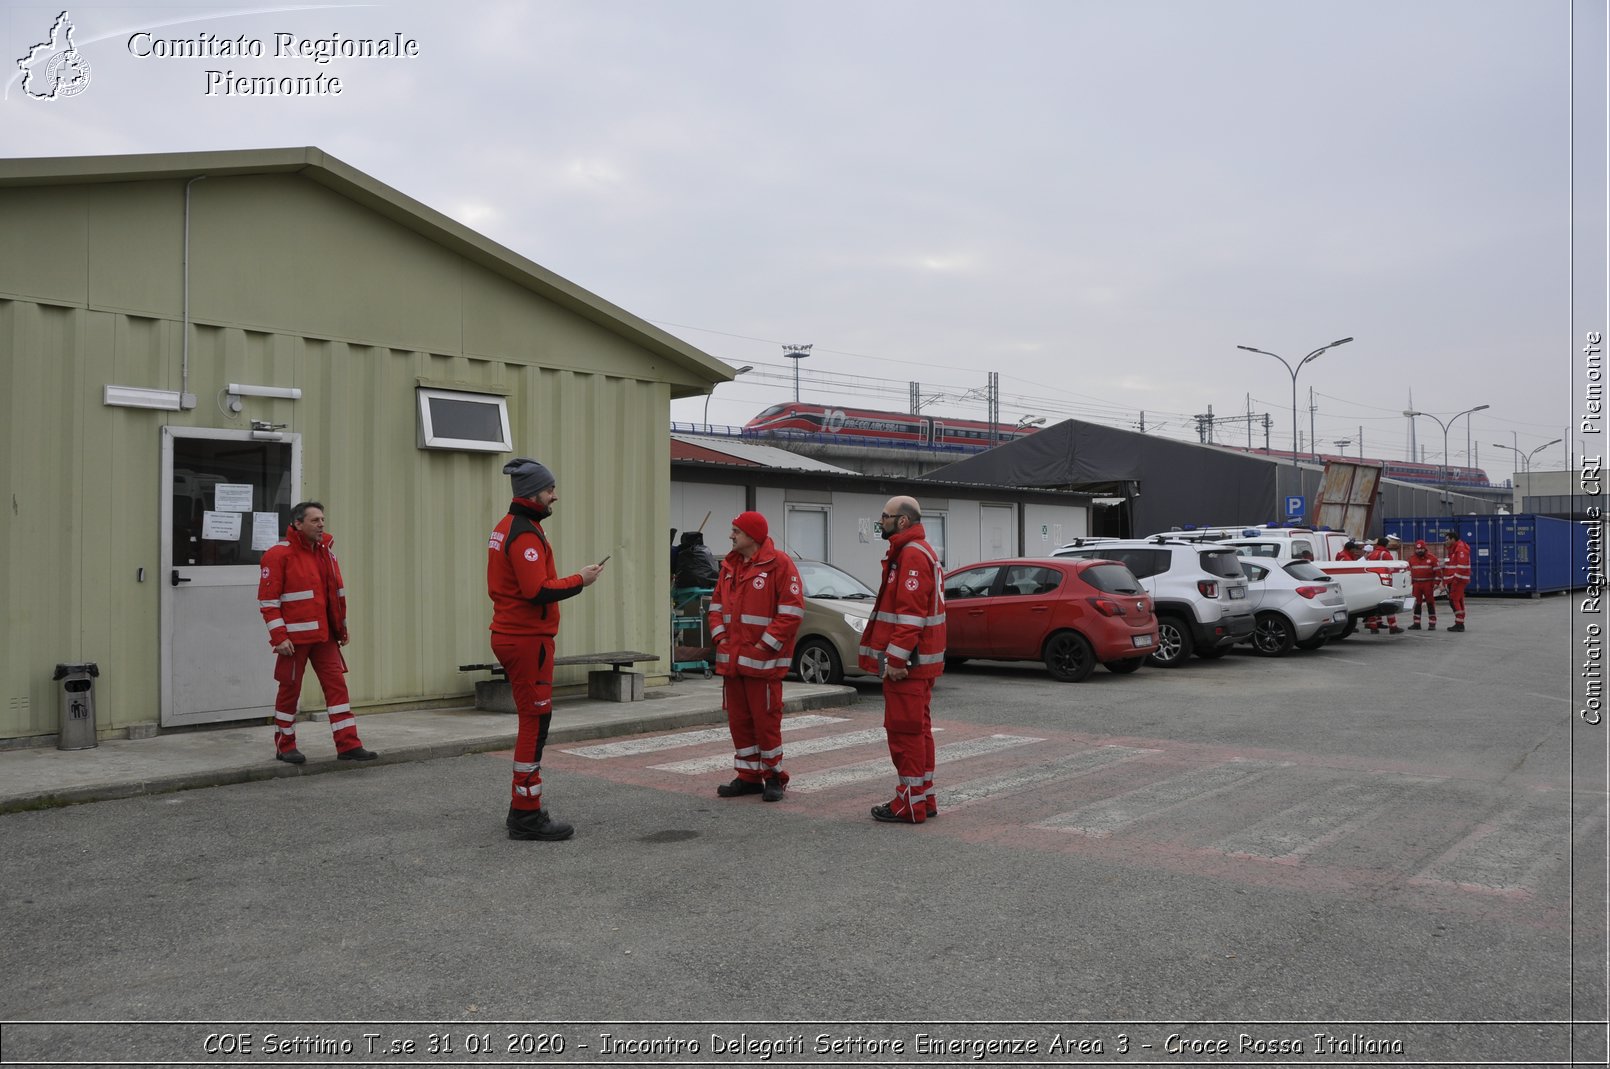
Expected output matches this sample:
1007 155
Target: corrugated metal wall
82 480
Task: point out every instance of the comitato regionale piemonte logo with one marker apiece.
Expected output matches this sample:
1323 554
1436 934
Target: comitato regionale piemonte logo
54 69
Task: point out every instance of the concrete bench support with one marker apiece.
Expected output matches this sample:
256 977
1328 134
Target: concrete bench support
615 686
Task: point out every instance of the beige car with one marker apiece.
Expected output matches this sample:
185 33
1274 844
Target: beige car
837 606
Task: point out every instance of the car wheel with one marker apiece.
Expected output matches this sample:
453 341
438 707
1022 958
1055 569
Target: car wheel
816 661
1313 643
1123 667
1069 657
1174 643
1273 636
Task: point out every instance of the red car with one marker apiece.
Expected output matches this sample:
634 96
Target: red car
1072 614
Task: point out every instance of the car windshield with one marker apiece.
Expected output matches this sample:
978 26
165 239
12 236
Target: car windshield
1222 563
1301 569
825 581
1112 579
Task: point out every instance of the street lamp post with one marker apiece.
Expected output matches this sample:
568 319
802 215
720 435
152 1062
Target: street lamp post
1526 458
1293 371
741 371
1447 503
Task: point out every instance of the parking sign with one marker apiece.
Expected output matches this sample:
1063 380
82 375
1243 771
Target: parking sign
1294 508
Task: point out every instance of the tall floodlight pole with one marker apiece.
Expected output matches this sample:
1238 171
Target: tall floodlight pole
1447 502
746 369
796 353
1295 473
1526 458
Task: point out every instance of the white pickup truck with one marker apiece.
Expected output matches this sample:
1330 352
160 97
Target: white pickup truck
1372 587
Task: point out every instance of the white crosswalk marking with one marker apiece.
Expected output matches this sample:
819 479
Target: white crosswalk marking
1078 764
1104 818
694 766
1317 821
690 738
883 768
1505 855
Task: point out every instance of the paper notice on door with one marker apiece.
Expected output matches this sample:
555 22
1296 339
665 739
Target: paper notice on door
220 526
265 530
232 497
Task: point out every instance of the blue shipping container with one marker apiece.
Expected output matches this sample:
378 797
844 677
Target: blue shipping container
1522 554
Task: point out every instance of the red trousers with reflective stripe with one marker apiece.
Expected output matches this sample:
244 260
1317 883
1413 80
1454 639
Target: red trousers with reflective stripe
910 728
1456 600
1425 594
527 660
755 719
331 670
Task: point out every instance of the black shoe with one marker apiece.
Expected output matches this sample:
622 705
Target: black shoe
740 787
357 753
1395 631
291 757
1433 626
1415 626
527 825
1457 627
773 790
887 815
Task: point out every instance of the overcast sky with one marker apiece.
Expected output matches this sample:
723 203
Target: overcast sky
1099 198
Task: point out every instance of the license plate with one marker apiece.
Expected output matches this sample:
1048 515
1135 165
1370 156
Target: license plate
1338 618
1141 640
1237 593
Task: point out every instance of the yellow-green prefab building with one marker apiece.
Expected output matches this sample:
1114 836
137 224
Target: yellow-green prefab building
190 343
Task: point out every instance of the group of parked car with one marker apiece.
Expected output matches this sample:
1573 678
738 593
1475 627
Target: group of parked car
1119 603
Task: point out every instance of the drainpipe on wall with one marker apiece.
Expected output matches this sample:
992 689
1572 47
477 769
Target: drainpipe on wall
186 398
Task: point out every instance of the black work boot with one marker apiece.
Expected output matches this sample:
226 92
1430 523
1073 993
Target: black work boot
528 824
773 790
1457 627
739 787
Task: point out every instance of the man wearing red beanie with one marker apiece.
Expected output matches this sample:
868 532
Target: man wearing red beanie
905 644
755 612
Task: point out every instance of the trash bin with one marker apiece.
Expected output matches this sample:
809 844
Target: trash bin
77 725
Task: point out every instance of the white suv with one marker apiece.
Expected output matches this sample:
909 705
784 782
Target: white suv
1198 590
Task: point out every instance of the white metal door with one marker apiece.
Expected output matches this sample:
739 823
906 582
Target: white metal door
226 497
997 531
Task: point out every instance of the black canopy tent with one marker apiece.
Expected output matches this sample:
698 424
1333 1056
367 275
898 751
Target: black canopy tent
1163 483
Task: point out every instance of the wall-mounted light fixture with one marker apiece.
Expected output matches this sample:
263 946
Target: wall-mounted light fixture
237 390
140 397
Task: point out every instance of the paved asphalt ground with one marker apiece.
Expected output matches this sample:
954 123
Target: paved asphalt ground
1386 841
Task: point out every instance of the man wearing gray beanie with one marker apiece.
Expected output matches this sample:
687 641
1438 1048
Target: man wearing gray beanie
526 589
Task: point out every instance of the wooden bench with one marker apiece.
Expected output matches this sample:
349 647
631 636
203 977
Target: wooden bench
618 684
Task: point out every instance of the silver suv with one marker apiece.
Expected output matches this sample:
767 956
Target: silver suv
1198 590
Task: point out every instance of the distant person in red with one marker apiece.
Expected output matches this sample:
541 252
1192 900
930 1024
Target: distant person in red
904 644
304 604
1456 575
1351 551
526 589
755 613
1425 572
1382 551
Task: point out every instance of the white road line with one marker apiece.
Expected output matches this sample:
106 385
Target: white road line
1317 821
690 738
1506 854
694 766
1104 818
1085 761
806 783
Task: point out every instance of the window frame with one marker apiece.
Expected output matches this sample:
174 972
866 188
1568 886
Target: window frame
429 439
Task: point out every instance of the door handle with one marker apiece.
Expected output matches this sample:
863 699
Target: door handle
175 581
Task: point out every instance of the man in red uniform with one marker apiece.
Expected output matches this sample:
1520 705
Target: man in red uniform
1382 551
1424 575
526 589
905 644
755 612
1456 575
1351 551
304 604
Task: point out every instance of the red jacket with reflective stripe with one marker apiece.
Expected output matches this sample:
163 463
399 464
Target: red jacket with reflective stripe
908 619
300 592
1456 563
521 579
755 613
1424 569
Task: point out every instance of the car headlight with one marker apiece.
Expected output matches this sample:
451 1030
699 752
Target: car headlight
857 623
